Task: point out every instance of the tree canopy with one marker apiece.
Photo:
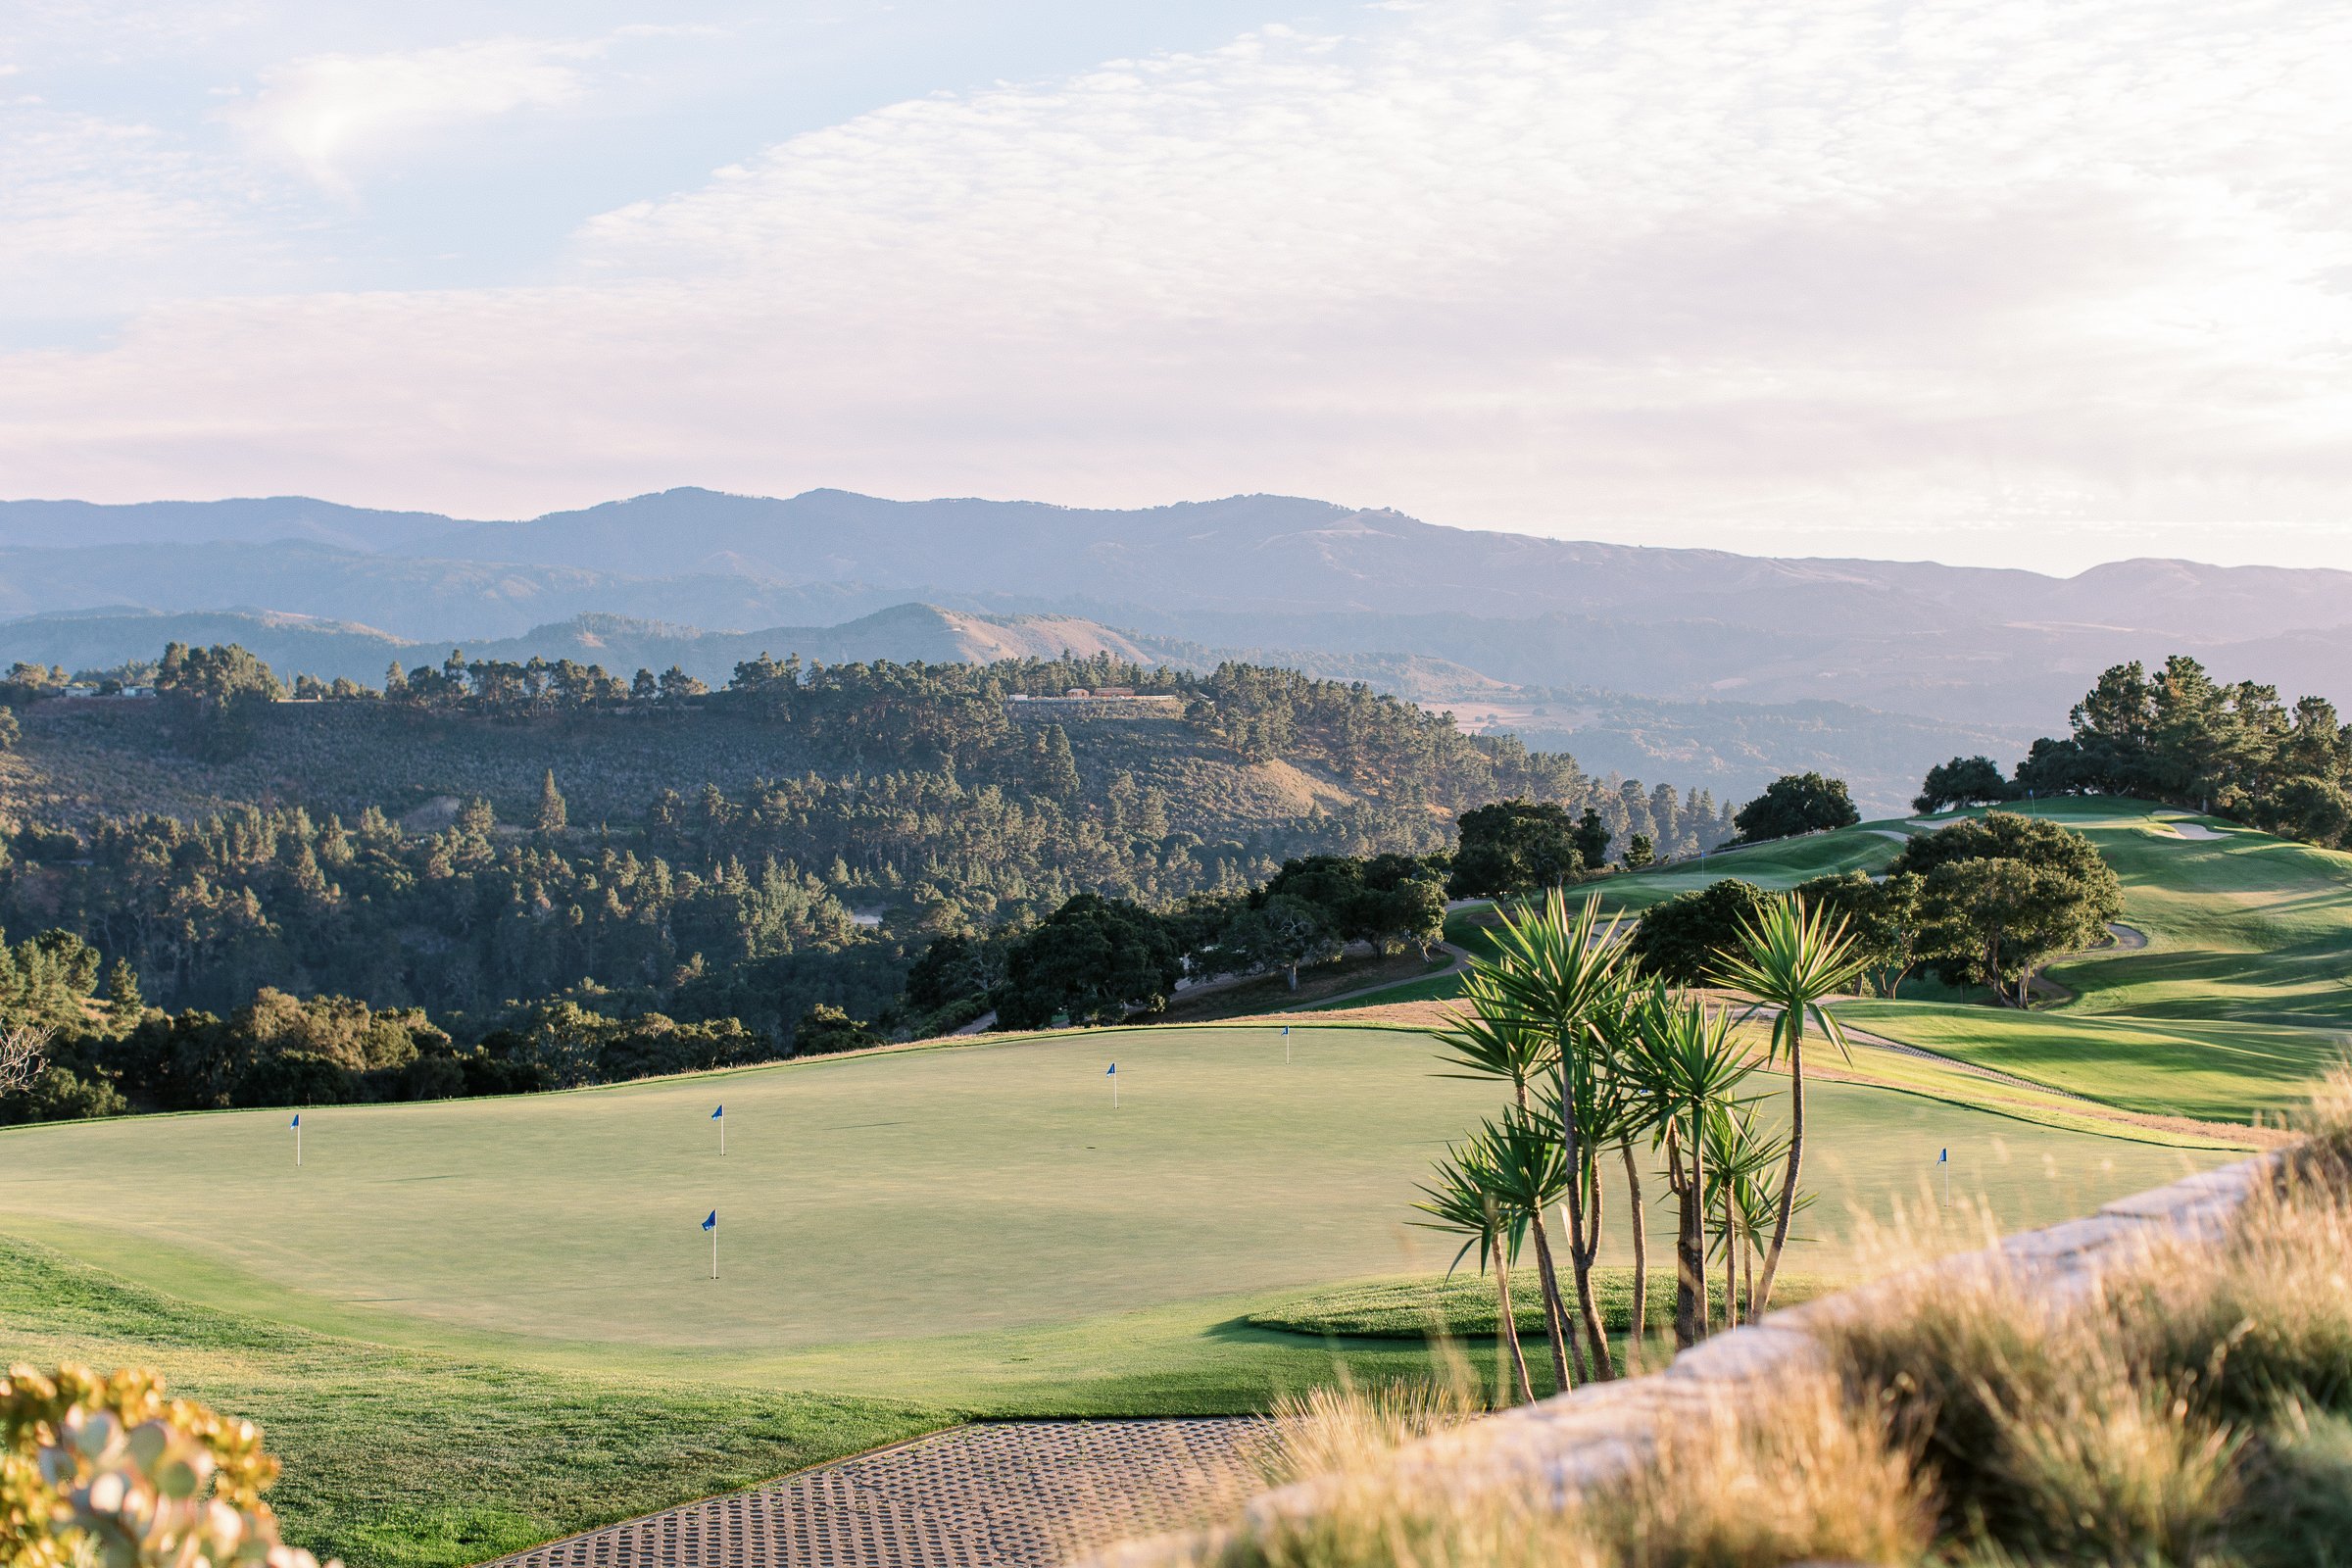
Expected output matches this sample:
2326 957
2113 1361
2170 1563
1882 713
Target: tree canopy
1796 803
1681 939
1096 960
2002 894
1962 781
1514 846
2177 735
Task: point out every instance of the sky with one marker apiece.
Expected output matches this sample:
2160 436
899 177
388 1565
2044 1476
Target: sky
2001 283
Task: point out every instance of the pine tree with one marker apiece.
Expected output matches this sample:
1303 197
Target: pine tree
553 815
1056 768
122 990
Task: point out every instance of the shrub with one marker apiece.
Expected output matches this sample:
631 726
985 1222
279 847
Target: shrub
105 1469
1681 939
825 1030
59 1093
297 1078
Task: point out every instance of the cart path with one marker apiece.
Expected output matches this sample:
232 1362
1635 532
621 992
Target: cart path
1018 1493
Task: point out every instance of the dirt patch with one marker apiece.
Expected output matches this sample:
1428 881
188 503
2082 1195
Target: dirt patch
1297 790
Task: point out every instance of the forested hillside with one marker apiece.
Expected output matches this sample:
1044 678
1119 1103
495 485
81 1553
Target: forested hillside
482 839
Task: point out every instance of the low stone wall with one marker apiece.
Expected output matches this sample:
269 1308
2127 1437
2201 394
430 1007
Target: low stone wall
1600 1433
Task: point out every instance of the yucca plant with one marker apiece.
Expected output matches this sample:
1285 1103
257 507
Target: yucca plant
1741 1154
1789 963
1493 1040
1468 1200
1553 973
1688 1065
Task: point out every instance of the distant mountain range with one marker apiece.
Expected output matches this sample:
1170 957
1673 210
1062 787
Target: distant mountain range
1723 665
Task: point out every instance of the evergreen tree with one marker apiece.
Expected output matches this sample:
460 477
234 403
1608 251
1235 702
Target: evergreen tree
1056 767
553 815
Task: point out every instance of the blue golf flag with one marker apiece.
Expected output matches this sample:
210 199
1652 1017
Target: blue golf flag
711 1223
297 1121
1286 1028
1112 1072
1944 1157
718 1113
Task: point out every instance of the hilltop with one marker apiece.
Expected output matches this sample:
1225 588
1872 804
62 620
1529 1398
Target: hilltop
1730 748
1274 572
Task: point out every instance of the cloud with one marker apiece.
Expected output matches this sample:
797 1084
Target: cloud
328 112
1727 271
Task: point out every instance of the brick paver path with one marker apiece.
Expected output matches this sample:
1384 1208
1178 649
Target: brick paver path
1005 1495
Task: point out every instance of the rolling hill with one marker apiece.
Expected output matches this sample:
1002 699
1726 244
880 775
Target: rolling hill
1906 662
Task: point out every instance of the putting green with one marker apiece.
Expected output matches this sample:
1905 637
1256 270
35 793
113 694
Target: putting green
970 1191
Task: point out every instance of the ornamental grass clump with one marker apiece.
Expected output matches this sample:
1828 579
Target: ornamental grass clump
106 1470
1336 1429
1806 1476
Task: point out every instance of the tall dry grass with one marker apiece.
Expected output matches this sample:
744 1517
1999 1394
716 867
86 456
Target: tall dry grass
2192 1411
1806 1476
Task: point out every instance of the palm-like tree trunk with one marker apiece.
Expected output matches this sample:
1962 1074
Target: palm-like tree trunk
1579 1259
1689 1165
1731 1264
1558 1332
1633 1187
1586 1245
1506 1333
1796 1159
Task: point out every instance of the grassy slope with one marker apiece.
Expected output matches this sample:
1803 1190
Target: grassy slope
2236 1001
408 1457
1783 864
2240 998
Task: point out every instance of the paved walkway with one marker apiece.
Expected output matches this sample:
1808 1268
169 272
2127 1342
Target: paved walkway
1017 1493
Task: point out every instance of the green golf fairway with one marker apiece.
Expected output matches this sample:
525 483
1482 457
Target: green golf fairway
962 1191
2224 1072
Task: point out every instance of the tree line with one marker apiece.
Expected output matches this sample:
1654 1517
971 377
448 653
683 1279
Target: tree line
933 825
2177 735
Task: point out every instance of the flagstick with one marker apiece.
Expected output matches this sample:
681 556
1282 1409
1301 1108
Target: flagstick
722 1137
714 1252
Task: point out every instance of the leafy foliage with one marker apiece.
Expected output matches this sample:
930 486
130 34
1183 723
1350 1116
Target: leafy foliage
1514 846
1093 960
2002 894
1678 941
1796 803
1962 781
107 1470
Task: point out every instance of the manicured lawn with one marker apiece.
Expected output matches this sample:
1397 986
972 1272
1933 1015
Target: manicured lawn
399 1457
2243 927
469 1325
1463 1305
1781 864
2241 996
2211 1071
